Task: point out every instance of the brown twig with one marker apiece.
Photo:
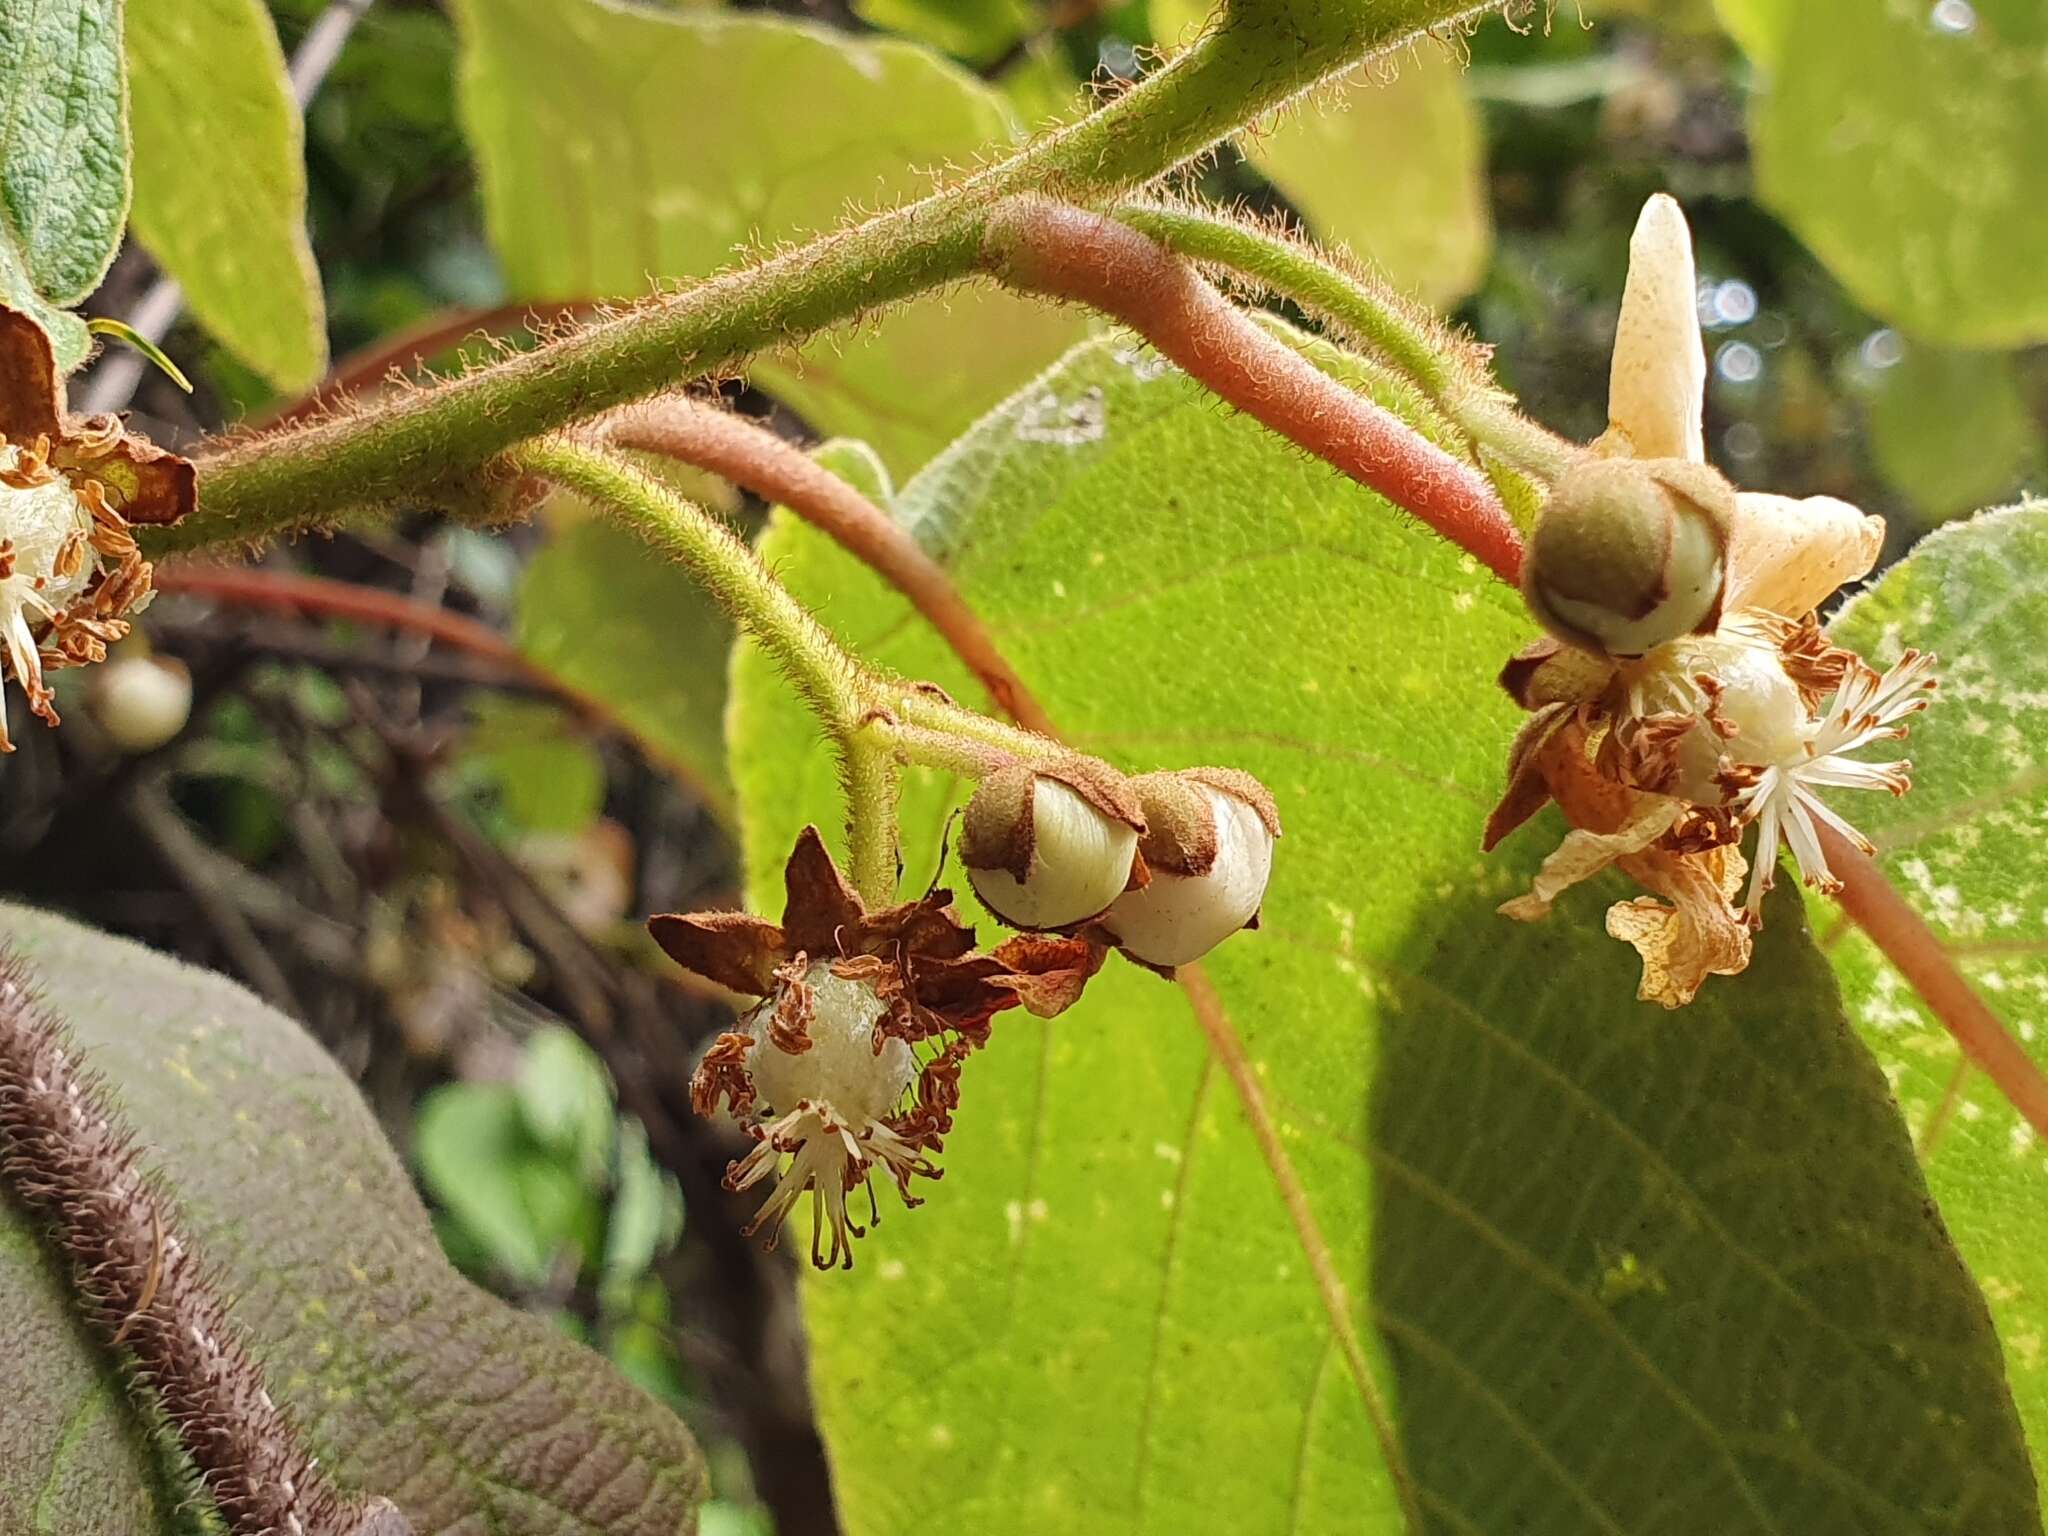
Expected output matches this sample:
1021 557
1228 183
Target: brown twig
1904 938
66 1156
289 592
1070 253
756 459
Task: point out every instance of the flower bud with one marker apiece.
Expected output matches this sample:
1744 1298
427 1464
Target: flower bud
1209 846
1629 554
141 702
1048 852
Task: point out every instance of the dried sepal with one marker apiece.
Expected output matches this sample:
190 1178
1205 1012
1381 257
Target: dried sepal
1548 671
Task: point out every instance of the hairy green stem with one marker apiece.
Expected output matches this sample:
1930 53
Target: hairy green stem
425 443
876 722
1373 317
873 784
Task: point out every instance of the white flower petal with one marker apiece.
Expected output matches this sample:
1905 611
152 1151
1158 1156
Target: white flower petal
1785 554
1657 388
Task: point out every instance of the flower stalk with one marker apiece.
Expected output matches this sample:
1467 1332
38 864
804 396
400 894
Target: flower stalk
1070 253
1449 369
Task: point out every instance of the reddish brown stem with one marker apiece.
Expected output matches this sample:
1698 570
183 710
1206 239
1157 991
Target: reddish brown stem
1876 906
772 467
1069 253
288 592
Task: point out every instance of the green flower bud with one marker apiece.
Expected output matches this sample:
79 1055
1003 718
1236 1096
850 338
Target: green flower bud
1630 553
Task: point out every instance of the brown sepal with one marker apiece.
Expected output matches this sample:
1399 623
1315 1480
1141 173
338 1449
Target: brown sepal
1528 789
998 830
141 482
735 949
1548 671
1180 823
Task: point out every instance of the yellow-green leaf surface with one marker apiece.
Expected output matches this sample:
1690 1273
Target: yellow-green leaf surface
1758 25
63 158
1965 846
1903 143
407 1379
1951 430
625 146
220 179
605 616
1596 1266
1391 163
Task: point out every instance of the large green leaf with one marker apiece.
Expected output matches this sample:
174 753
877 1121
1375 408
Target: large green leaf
603 615
1951 430
1965 846
63 158
220 183
1601 1267
605 166
408 1380
1903 143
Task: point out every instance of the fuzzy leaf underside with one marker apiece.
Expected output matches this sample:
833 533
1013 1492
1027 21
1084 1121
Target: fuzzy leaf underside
620 147
63 159
1614 1269
408 1381
1965 847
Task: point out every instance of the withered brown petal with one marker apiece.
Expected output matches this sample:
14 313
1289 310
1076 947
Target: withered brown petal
144 483
1702 932
822 910
735 949
1528 790
1047 974
31 397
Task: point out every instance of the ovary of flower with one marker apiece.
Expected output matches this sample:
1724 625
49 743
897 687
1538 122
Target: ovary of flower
46 559
1868 707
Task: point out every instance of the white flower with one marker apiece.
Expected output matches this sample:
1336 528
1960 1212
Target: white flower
1693 692
1867 708
46 560
827 1086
